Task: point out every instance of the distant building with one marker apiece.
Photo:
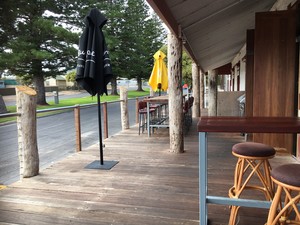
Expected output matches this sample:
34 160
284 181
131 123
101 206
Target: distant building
8 83
59 81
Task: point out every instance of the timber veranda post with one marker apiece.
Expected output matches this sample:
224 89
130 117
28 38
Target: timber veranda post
202 91
27 133
212 93
196 90
175 94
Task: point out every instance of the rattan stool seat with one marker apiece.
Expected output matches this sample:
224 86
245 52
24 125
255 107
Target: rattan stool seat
253 149
288 174
253 162
284 208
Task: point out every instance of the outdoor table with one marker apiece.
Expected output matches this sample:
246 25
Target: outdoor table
164 99
235 125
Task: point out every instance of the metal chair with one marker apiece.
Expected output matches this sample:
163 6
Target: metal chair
142 109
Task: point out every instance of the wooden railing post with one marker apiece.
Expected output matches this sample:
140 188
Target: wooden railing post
77 128
27 135
105 120
137 110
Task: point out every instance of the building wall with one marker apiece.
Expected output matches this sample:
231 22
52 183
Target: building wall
228 104
61 83
282 4
279 5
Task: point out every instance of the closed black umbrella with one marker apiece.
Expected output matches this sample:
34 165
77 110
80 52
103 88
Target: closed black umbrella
93 66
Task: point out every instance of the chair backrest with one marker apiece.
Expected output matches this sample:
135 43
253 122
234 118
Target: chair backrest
142 105
186 106
191 101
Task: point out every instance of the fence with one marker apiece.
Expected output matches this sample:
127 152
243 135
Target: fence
76 109
79 132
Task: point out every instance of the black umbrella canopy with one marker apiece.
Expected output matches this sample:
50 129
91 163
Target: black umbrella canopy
93 66
94 69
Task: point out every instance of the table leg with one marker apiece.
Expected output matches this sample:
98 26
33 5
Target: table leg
148 119
202 177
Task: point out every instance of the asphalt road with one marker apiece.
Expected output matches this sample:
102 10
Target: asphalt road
56 137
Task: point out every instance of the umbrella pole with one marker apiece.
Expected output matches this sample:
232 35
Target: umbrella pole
159 89
100 130
108 164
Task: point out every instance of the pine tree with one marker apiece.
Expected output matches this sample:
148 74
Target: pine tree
143 35
39 44
113 30
38 38
133 36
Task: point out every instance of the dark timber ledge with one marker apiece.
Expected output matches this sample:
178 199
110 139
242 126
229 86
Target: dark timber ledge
250 124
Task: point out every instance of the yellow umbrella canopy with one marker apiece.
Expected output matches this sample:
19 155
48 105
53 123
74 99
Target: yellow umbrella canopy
159 75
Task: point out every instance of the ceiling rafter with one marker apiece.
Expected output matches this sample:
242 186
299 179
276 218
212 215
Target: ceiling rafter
216 33
212 15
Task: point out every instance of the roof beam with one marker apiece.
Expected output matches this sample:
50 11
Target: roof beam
163 11
213 14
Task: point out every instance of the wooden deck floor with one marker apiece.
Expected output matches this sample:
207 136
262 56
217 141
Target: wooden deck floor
149 185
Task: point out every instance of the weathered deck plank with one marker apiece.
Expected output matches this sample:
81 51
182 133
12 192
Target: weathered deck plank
149 185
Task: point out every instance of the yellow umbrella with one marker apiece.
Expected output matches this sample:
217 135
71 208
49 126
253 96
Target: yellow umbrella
159 75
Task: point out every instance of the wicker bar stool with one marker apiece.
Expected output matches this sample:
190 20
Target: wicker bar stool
253 163
284 208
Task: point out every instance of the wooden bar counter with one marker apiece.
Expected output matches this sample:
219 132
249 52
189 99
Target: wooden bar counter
235 125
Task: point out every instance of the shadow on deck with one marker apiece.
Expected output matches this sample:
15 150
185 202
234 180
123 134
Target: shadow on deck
149 185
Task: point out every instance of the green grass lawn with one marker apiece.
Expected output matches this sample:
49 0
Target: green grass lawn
76 101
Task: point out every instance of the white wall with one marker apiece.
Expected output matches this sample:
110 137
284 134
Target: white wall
282 4
239 59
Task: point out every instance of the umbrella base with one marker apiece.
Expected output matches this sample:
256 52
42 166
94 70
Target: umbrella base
107 165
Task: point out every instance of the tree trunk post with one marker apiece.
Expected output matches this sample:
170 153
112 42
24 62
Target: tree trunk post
152 93
202 90
175 94
124 108
27 136
196 90
212 93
